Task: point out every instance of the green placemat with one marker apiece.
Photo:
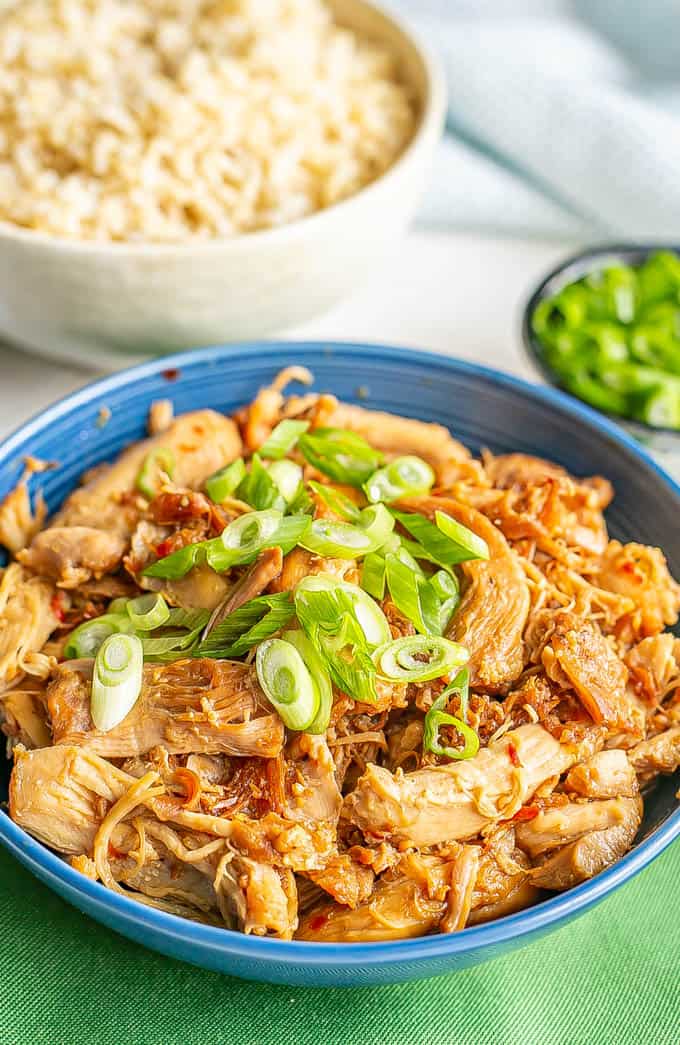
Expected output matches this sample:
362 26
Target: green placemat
610 978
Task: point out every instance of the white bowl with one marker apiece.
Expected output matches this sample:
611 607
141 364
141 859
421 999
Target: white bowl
102 304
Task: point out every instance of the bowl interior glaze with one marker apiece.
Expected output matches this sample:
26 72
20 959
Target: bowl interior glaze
483 409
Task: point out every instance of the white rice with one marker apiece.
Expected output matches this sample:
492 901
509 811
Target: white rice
168 120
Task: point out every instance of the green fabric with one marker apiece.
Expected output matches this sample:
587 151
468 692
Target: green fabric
612 977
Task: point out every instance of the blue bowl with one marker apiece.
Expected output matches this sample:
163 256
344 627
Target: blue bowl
482 408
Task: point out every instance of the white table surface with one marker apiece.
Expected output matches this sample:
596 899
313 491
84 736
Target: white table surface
453 293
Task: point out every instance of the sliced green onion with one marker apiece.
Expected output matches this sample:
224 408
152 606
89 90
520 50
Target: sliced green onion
446 588
461 687
470 544
435 719
87 638
287 476
448 542
346 657
325 599
345 540
377 524
178 563
116 680
247 536
404 475
337 501
189 619
373 575
155 462
240 543
418 658
282 439
317 669
250 532
302 503
118 605
148 612
259 489
169 647
413 596
222 483
336 540
286 681
255 621
444 584
340 454
326 610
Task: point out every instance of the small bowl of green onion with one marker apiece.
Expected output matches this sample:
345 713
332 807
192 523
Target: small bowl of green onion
605 326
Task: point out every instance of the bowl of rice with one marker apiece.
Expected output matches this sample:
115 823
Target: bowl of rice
177 172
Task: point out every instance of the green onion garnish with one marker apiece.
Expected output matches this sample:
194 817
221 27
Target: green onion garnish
327 611
435 719
287 476
170 646
178 563
222 483
337 501
259 489
446 588
348 541
189 619
404 475
116 680
460 686
256 620
283 439
302 503
341 455
346 657
87 638
247 536
148 612
155 462
418 658
413 596
317 669
240 543
336 540
324 600
447 543
287 683
373 575
469 544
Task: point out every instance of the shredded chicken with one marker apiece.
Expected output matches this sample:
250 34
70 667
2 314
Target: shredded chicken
196 705
27 619
203 800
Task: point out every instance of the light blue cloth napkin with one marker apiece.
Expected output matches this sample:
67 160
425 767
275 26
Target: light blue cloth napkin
564 117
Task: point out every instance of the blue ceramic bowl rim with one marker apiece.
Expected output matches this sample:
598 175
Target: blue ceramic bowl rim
297 952
574 267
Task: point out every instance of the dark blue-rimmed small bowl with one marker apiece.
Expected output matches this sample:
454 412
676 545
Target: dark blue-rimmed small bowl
663 442
481 407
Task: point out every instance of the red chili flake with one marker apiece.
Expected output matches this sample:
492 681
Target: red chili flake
57 604
512 754
115 853
526 813
171 374
318 922
164 548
